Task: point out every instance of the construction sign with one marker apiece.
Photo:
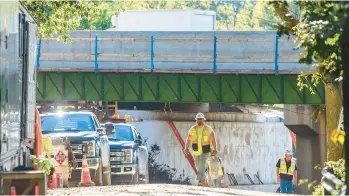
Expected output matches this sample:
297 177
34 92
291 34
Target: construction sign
61 157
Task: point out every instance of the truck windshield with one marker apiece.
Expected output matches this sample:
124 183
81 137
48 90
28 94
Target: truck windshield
67 122
122 133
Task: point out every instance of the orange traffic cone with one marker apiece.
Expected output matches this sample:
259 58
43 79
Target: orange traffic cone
53 183
13 190
36 190
36 167
85 174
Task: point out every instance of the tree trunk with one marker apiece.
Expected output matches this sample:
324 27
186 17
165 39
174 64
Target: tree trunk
333 108
344 43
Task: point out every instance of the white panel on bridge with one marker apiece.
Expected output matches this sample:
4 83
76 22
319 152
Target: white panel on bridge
173 50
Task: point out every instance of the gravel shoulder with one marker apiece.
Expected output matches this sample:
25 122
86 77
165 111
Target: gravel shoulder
152 189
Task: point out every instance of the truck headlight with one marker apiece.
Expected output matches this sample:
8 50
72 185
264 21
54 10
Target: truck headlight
90 149
128 155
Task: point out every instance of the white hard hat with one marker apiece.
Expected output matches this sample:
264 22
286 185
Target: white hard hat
200 115
288 152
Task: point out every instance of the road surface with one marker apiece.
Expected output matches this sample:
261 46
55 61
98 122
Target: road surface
152 189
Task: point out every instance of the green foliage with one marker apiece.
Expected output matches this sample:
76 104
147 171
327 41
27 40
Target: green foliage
338 168
318 190
263 16
44 164
244 17
63 16
317 32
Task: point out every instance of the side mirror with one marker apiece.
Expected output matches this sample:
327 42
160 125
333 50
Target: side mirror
139 140
109 129
101 131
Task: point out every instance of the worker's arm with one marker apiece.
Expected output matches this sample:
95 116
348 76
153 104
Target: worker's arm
213 141
277 171
295 177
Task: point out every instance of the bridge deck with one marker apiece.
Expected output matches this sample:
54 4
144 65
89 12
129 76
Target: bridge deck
249 67
224 52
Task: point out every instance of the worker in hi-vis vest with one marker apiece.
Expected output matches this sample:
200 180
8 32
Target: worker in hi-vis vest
202 138
215 171
286 171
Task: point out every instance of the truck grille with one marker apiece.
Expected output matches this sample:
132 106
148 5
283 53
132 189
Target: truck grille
78 149
116 170
116 157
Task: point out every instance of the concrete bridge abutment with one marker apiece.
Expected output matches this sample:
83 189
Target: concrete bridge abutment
309 124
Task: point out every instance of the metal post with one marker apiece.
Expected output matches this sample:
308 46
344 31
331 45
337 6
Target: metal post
38 55
214 54
276 70
96 54
152 53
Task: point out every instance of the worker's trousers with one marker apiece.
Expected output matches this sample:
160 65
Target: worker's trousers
286 186
200 164
216 183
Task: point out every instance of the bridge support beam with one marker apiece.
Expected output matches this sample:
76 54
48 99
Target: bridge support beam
174 88
310 128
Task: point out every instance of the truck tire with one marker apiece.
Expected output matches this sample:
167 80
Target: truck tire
99 174
146 177
106 176
135 177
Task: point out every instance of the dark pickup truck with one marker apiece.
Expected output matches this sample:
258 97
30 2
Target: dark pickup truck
128 155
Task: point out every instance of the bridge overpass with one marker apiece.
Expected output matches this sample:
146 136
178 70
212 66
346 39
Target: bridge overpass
211 67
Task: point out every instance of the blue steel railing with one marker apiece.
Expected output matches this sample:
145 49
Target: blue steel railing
276 69
152 55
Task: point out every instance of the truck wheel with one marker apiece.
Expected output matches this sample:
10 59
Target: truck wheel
106 176
146 177
99 174
135 178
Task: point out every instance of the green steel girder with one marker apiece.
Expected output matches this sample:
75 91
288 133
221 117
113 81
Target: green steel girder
180 88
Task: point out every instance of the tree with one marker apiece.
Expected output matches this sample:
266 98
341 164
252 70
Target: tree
61 16
225 14
263 16
323 33
244 17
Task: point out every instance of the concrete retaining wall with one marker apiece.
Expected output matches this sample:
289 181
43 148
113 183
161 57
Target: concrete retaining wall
212 116
246 147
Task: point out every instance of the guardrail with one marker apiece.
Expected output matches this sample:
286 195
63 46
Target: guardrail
152 54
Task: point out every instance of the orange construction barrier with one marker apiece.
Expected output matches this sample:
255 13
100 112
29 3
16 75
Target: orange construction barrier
13 190
85 174
53 183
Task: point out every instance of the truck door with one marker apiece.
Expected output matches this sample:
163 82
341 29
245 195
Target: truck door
28 56
142 155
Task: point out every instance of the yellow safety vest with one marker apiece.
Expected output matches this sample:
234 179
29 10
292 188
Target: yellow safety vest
200 136
283 167
214 172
